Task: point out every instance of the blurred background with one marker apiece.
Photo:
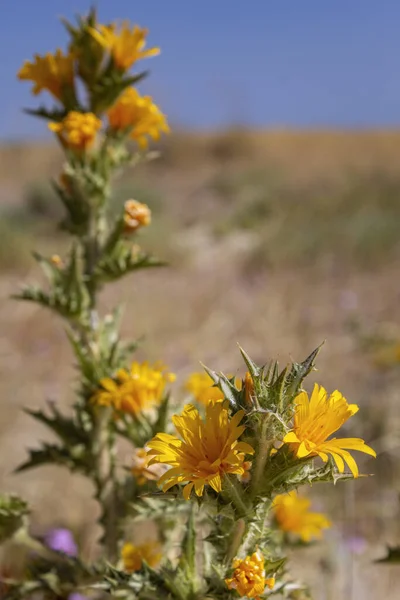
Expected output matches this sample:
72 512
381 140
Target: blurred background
276 200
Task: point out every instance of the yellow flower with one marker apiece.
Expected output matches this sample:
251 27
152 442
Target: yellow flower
136 215
77 130
134 391
52 72
141 469
202 388
318 418
133 556
293 516
126 44
139 114
208 449
249 576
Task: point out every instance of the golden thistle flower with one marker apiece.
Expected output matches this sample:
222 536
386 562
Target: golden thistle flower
293 516
201 387
133 556
141 469
136 215
318 418
138 114
125 44
52 72
77 131
133 391
249 576
208 449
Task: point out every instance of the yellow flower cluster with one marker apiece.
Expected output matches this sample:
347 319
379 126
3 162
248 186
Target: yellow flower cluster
138 115
77 131
125 44
135 390
131 111
136 215
206 450
293 516
249 578
133 556
315 420
51 72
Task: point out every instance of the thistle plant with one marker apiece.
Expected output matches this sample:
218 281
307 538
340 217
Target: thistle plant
218 477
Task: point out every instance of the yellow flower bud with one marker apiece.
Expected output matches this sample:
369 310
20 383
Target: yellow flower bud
57 261
77 131
248 388
136 215
249 576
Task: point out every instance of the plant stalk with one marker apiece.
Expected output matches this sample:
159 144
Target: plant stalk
264 450
104 476
105 483
234 495
237 538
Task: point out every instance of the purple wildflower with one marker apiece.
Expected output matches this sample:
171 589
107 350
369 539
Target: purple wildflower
62 540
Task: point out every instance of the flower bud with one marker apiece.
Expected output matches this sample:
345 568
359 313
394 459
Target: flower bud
57 261
136 215
248 388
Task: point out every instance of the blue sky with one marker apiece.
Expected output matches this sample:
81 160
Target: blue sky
273 63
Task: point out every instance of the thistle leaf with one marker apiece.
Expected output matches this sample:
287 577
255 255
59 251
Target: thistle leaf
299 371
251 366
123 261
74 458
226 386
64 427
43 113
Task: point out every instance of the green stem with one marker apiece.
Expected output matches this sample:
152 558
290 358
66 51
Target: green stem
234 494
255 531
191 547
237 537
22 537
105 482
104 475
91 249
264 450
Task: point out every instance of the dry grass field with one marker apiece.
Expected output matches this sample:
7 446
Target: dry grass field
276 240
